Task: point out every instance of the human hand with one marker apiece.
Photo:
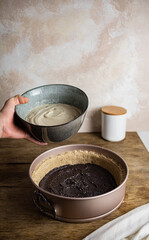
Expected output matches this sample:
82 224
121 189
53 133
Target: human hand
8 129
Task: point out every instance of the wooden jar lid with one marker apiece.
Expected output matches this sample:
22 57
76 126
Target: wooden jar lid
113 110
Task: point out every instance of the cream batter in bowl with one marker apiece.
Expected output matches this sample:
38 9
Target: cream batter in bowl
55 94
53 114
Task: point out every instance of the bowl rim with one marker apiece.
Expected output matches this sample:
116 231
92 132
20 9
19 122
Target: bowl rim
81 198
59 125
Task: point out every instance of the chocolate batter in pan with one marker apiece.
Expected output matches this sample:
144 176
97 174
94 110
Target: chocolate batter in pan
79 180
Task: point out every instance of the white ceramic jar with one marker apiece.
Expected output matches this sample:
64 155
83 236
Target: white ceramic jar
113 123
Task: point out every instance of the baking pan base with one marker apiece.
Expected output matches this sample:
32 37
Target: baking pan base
81 220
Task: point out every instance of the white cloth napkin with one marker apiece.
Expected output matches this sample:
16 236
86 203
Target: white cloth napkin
133 225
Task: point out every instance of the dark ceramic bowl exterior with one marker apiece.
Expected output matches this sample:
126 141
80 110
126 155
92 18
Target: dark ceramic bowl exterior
55 93
86 209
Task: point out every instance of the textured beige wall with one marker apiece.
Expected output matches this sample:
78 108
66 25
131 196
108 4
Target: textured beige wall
99 46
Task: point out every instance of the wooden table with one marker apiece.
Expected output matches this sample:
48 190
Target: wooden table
20 219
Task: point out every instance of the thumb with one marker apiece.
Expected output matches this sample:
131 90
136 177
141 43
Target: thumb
18 99
12 102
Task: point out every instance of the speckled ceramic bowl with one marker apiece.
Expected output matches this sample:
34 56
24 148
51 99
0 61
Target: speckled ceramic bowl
55 93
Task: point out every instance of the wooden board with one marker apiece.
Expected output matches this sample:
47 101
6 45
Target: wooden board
20 219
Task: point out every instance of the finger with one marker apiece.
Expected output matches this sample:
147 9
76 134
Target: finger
18 99
11 102
28 137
